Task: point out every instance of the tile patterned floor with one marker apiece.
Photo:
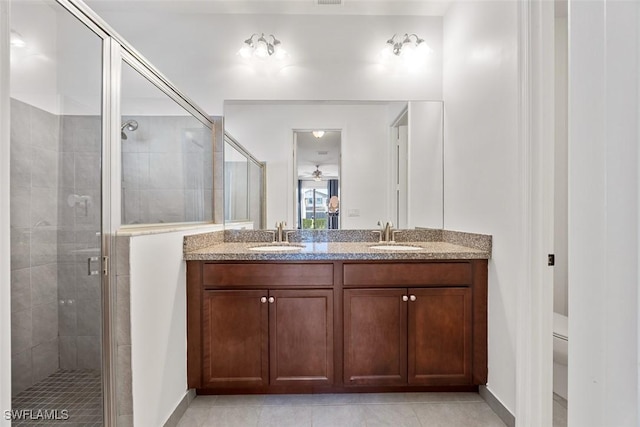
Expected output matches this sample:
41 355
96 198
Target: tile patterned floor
78 392
336 410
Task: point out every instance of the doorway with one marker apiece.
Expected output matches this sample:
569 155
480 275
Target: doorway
317 179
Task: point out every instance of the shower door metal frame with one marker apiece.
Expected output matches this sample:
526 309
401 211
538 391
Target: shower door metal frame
108 284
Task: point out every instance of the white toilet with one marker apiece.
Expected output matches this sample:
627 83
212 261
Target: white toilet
560 351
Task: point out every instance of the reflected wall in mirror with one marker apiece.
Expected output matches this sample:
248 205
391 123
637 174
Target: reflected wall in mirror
317 179
369 167
243 185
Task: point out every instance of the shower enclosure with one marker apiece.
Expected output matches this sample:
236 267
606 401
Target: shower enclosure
98 139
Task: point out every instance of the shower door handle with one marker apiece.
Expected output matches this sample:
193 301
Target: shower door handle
91 260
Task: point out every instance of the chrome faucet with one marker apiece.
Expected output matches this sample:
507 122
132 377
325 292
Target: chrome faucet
385 231
279 234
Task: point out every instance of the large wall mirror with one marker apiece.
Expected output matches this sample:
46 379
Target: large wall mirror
390 164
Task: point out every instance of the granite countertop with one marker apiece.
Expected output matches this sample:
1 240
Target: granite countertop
218 249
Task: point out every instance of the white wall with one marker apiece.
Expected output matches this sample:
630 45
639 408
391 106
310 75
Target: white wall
267 132
331 57
425 168
603 213
5 247
482 189
158 324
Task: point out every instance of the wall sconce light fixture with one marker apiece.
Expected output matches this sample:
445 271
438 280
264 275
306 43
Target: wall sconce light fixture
318 133
262 47
409 47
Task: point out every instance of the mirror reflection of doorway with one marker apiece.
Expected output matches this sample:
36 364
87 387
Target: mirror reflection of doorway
317 160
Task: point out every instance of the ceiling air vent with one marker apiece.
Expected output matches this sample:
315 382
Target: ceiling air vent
322 153
329 2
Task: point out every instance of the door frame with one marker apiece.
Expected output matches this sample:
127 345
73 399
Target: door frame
294 175
534 328
5 227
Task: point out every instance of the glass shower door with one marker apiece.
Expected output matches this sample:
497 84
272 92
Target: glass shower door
56 216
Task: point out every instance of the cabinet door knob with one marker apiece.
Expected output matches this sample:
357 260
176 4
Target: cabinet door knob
405 298
263 300
413 298
271 300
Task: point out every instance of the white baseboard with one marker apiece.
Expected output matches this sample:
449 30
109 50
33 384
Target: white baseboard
177 413
501 411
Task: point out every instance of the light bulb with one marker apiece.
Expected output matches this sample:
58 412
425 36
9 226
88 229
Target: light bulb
280 53
408 50
246 51
387 53
261 50
423 49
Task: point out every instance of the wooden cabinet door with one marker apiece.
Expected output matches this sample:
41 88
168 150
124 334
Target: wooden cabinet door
375 337
439 336
235 339
301 336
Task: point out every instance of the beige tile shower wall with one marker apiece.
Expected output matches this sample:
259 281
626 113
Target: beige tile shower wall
79 295
35 155
167 165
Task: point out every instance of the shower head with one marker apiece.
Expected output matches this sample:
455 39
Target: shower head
129 125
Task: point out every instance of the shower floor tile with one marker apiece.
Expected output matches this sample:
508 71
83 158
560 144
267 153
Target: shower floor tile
65 398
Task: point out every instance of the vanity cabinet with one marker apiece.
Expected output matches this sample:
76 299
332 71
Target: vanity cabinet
375 337
439 332
407 336
271 327
278 335
235 338
301 337
415 323
259 337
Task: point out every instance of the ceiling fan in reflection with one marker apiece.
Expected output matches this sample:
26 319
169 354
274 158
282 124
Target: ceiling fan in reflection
317 174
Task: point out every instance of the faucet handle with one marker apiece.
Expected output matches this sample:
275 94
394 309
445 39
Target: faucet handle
393 234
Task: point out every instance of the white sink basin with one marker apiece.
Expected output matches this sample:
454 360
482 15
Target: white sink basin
275 248
396 247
